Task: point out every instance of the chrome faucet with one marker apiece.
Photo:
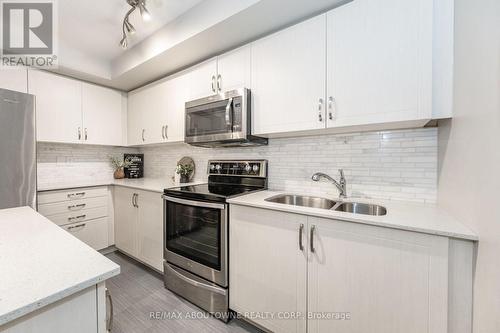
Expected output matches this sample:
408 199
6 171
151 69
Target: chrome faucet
341 184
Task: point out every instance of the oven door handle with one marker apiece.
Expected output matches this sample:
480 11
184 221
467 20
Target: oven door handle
194 203
194 282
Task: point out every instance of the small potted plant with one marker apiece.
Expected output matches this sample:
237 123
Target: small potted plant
184 171
118 165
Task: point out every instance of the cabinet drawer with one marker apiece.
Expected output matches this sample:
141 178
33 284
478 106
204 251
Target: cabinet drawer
72 206
93 233
81 216
72 194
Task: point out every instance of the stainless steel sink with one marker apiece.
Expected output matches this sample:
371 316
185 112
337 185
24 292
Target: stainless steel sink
361 208
318 202
300 200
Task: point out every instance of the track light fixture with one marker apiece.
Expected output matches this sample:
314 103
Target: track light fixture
127 28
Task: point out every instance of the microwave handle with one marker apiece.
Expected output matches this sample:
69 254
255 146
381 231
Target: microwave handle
229 123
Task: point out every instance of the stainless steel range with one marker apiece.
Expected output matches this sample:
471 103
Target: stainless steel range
196 229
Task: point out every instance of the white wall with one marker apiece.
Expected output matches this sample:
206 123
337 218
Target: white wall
469 148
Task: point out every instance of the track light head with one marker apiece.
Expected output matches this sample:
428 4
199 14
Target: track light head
124 43
146 16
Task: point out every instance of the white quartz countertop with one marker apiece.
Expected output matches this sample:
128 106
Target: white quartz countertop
40 263
424 218
146 184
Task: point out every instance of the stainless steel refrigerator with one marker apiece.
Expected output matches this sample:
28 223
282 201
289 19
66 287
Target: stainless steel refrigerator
17 150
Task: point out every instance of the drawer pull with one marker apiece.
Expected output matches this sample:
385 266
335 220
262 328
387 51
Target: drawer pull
77 217
77 207
79 195
77 226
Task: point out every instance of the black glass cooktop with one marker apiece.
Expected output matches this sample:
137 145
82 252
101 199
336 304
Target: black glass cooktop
217 192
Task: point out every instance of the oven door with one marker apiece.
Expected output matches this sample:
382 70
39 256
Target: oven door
216 118
195 237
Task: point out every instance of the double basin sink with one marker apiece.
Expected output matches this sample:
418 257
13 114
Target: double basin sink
322 203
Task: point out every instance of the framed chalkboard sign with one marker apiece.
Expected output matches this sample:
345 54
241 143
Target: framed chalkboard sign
136 168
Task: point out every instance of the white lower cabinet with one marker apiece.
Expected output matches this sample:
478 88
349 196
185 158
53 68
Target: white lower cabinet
139 225
83 312
268 271
348 277
83 212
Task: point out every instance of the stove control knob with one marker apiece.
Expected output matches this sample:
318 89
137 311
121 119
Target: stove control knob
255 168
212 167
218 167
248 168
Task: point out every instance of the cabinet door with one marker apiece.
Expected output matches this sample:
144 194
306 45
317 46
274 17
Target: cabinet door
202 79
176 96
234 69
288 79
388 281
379 62
267 268
150 228
104 117
143 124
14 79
125 220
58 107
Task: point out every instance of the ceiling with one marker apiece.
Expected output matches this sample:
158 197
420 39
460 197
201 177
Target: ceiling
181 33
94 27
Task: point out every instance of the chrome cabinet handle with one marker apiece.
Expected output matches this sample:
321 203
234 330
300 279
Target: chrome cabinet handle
213 83
320 110
80 206
77 217
80 194
79 133
163 132
77 226
109 321
166 132
143 131
219 83
135 196
331 100
86 134
311 236
301 230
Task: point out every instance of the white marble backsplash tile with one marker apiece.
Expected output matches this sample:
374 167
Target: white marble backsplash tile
397 165
71 163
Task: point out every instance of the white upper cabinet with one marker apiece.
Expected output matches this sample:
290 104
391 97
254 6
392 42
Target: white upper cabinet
176 96
288 79
104 115
71 111
234 69
379 62
58 107
203 79
138 115
15 79
156 112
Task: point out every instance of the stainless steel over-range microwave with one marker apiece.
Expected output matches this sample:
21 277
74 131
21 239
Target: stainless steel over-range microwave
222 120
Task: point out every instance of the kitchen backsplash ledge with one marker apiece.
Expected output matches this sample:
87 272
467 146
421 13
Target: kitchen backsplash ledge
395 165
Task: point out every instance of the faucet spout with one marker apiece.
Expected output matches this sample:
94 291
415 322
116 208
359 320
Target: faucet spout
341 184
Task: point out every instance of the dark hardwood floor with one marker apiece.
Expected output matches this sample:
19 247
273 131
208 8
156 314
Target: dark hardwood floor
138 292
